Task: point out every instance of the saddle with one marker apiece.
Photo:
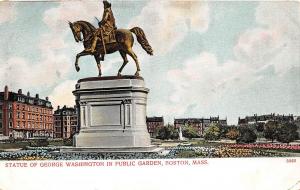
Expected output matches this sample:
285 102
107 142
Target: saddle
109 37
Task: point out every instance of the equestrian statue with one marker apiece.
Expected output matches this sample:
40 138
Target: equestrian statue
108 39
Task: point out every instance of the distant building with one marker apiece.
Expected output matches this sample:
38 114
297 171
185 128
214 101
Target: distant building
198 123
23 116
153 123
265 118
65 122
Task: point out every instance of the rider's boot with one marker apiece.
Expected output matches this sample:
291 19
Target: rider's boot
93 47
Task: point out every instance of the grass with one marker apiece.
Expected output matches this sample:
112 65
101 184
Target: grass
15 145
18 144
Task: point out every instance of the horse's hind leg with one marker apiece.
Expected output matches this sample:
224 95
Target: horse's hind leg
134 57
125 61
97 58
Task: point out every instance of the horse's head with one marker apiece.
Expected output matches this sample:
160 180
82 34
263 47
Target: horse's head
76 30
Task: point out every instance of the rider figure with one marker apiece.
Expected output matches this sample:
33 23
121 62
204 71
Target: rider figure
106 27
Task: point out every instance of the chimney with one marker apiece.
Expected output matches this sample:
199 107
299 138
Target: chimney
20 91
37 96
28 94
47 98
6 92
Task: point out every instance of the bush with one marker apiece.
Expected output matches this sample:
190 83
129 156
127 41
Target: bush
287 132
232 134
212 132
271 130
189 132
259 127
247 135
42 142
167 132
223 130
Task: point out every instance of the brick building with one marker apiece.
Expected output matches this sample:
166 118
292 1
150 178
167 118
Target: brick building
265 118
65 122
23 116
153 123
199 123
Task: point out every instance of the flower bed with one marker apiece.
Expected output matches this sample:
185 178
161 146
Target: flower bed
173 152
225 152
265 146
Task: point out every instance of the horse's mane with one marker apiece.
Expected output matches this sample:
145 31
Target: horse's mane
86 24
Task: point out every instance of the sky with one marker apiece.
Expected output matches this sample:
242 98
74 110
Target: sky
212 58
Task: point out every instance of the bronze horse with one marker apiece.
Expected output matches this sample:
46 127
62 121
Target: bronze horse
123 44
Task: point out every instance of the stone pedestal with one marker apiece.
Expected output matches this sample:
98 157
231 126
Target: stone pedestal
112 113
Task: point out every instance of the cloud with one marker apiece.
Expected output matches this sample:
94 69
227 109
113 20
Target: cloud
54 64
62 94
7 12
166 23
198 86
275 42
19 73
56 18
261 77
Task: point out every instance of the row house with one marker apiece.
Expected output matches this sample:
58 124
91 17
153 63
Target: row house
65 122
153 123
23 116
198 123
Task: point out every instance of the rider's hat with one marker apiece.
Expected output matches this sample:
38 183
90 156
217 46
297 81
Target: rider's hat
106 4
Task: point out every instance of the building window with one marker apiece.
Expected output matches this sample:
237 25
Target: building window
0 115
23 124
10 124
10 115
0 125
23 108
18 115
18 124
23 115
9 106
18 107
28 124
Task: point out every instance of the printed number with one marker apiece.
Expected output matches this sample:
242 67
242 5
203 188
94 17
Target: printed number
290 160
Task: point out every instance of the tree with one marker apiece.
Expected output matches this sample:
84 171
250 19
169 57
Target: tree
174 133
163 133
212 132
223 130
271 130
287 132
232 134
259 127
167 132
189 132
247 135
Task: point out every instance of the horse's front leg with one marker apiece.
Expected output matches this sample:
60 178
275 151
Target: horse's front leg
83 53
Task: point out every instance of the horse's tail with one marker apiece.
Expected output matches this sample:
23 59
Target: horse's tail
141 38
